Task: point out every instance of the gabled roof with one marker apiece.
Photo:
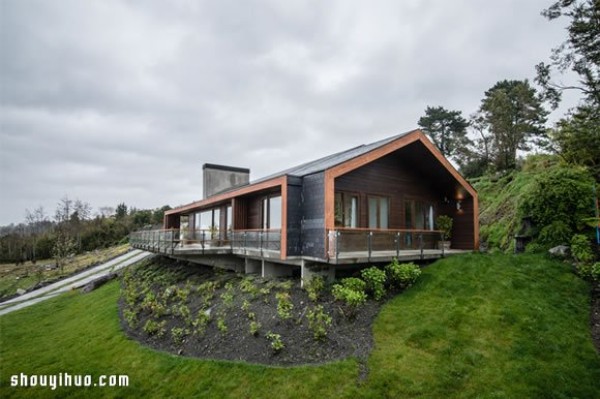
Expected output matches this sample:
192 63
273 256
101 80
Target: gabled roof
330 161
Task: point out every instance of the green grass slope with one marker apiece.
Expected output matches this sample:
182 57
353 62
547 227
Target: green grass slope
474 326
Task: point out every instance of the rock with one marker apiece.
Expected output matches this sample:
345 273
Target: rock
21 291
92 285
561 251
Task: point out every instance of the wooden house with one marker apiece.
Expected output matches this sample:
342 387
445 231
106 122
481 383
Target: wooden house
368 204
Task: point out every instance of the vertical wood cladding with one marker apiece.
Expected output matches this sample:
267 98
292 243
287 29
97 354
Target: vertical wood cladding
313 226
389 177
400 180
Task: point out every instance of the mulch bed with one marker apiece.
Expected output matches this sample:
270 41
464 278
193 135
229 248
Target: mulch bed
346 337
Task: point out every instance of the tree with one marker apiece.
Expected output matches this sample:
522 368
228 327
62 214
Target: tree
121 211
578 139
513 113
580 52
447 129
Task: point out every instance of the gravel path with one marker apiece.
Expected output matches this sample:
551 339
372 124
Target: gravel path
73 282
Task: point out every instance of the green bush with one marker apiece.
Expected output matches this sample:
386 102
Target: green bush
254 327
535 248
375 280
352 299
201 322
595 272
558 202
314 286
318 321
581 248
178 335
402 275
354 284
276 342
152 327
284 305
556 233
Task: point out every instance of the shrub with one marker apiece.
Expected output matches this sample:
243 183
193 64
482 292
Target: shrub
227 296
354 283
201 322
207 291
254 327
595 272
318 322
375 279
444 223
535 248
285 285
178 335
314 286
581 248
152 327
130 316
245 306
584 270
352 299
556 233
562 195
276 342
402 275
221 326
247 286
284 305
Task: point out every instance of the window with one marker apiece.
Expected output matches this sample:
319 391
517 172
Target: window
346 210
229 220
418 215
271 212
208 221
379 212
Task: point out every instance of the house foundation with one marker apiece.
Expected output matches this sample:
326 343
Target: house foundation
309 270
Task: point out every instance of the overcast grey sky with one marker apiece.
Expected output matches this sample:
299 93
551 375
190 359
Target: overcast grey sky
115 101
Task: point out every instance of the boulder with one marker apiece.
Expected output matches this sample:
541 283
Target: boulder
21 291
561 251
92 285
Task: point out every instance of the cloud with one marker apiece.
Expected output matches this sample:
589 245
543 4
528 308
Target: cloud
120 101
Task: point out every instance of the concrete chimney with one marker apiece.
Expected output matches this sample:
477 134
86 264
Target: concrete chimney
219 178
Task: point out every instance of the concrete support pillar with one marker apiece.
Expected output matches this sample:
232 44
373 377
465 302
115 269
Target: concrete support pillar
270 269
253 266
308 270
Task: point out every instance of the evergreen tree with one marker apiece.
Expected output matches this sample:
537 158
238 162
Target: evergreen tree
447 129
513 113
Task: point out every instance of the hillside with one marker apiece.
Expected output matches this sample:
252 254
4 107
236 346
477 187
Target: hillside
473 326
558 197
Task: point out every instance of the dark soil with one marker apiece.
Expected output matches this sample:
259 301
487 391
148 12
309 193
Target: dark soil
595 315
347 336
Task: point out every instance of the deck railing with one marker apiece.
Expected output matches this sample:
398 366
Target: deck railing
344 241
161 241
167 241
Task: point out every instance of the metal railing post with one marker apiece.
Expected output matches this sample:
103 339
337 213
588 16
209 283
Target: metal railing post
202 241
443 246
369 243
337 235
260 242
421 244
397 238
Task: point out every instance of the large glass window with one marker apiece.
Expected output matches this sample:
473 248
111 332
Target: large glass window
418 215
271 212
346 210
207 221
379 212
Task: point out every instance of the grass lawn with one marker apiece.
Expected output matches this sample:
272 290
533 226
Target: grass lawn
474 326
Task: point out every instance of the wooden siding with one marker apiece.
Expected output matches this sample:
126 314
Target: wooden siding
387 177
313 226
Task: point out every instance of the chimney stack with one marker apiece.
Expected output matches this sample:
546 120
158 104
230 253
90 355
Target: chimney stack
219 178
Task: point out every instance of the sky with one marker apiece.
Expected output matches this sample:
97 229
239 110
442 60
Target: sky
113 101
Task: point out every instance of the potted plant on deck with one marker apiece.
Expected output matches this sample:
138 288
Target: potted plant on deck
444 224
